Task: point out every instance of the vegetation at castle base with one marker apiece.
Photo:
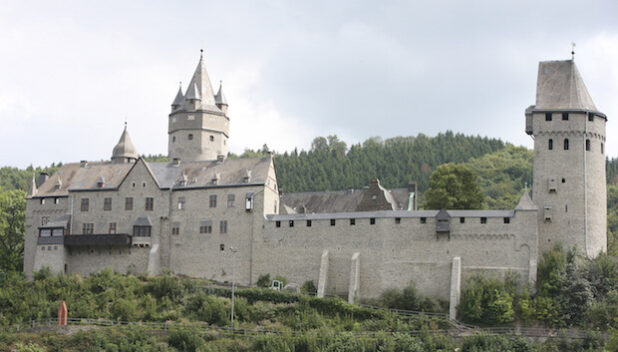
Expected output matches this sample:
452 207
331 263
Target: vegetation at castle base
453 186
570 292
12 222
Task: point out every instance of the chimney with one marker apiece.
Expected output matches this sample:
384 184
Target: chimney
43 177
413 196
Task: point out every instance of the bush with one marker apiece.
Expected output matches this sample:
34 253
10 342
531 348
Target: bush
485 301
308 287
43 274
263 280
185 340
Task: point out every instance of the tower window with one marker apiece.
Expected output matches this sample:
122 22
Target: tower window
507 220
462 220
173 139
602 148
291 223
563 180
190 136
212 138
277 223
397 220
550 144
332 222
483 220
566 144
176 229
565 116
107 204
372 221
548 116
352 222
308 223
591 117
587 145
423 220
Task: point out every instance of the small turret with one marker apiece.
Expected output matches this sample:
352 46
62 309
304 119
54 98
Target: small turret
220 99
178 100
124 151
193 97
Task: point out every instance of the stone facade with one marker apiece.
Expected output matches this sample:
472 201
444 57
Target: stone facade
204 216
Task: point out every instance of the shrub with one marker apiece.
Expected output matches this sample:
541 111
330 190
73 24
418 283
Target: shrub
185 340
308 287
43 274
485 301
263 280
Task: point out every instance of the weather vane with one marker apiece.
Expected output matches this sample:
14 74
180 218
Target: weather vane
572 50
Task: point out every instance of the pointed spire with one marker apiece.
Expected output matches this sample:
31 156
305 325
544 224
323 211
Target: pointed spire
179 97
124 151
220 97
33 190
526 203
200 86
560 86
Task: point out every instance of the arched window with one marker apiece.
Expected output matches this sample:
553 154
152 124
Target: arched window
551 144
587 145
566 144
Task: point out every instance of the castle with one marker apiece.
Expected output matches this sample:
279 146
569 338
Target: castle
204 215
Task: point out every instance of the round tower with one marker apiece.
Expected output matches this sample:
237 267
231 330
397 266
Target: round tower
569 184
198 124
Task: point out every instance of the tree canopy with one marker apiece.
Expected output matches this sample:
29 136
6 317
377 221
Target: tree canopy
453 186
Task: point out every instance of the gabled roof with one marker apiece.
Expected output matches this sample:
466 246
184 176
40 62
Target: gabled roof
561 87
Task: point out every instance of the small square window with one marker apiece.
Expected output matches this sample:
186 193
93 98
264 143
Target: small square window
277 223
563 180
352 222
291 223
190 137
372 221
423 220
548 116
222 247
591 117
56 200
332 222
212 138
483 220
308 223
507 220
462 220
565 116
42 200
176 229
397 220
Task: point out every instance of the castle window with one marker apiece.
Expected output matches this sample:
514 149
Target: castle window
144 184
206 227
85 204
332 222
45 233
507 220
483 220
112 228
222 247
308 223
213 201
128 203
42 200
291 223
87 228
190 117
591 117
566 208
566 144
44 220
563 180
181 203
133 184
372 221
587 145
602 148
423 220
190 136
462 220
107 204
565 116
223 226
149 204
550 144
173 139
548 116
277 223
352 222
397 221
175 228
56 200
231 199
212 138
141 231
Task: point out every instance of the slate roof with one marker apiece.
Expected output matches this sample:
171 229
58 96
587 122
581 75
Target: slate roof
124 148
336 201
561 87
232 172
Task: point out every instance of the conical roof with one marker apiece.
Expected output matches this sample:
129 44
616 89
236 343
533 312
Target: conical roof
220 97
124 148
561 87
179 97
33 190
526 203
200 82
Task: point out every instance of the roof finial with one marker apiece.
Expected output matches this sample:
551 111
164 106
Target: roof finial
201 54
572 50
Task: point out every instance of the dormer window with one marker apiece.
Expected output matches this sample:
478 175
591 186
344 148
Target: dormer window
215 180
101 182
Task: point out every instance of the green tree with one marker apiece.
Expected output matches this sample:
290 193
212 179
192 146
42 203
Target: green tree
453 186
12 221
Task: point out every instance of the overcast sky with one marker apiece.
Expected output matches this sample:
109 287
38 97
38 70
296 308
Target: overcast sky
72 71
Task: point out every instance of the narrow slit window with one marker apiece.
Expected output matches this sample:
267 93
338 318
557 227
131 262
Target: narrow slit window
352 222
587 145
550 144
566 144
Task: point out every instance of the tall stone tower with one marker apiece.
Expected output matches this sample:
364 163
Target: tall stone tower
198 124
569 185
